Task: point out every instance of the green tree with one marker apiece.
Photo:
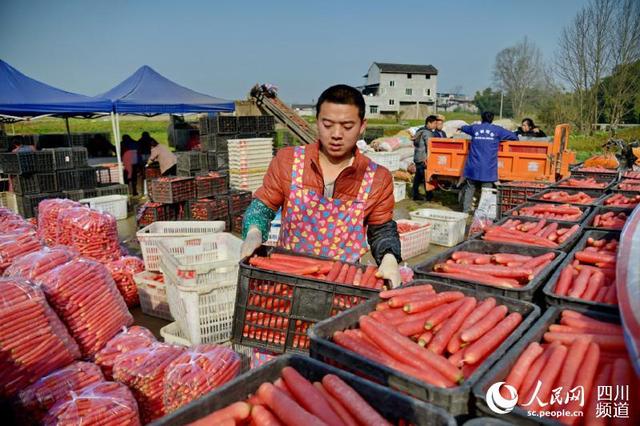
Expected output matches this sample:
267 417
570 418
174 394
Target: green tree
489 100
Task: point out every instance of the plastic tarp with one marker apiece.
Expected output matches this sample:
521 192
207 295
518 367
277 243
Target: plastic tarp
22 96
148 92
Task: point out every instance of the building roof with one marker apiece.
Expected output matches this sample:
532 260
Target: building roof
406 68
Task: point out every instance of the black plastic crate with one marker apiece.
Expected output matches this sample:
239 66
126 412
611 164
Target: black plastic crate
74 194
173 190
634 182
631 174
208 209
47 182
392 405
87 178
63 158
211 185
500 371
266 124
191 160
28 204
153 212
90 193
18 163
239 201
512 213
4 143
457 400
67 180
301 303
116 189
589 225
613 174
565 246
222 125
203 126
248 124
218 160
80 157
627 194
571 302
46 161
208 142
608 183
596 195
528 292
25 184
511 194
103 175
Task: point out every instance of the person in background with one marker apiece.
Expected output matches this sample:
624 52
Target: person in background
335 201
481 167
420 155
438 132
144 147
528 129
18 146
167 159
129 152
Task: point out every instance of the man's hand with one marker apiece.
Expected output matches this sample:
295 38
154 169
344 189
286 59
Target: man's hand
390 270
251 242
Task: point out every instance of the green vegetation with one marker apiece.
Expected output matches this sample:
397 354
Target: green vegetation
585 146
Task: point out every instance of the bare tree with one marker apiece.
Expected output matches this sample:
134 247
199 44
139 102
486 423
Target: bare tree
623 85
517 70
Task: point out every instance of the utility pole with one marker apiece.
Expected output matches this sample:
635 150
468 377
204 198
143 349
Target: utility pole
501 99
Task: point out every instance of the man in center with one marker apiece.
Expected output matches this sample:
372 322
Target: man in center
335 201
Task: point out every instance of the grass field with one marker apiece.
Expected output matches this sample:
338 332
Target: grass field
584 145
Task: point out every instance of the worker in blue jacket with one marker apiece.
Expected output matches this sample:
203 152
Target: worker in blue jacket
481 168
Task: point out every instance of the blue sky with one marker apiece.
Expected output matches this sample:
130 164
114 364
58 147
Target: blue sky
223 48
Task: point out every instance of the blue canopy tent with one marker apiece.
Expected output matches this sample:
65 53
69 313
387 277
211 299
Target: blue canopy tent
146 92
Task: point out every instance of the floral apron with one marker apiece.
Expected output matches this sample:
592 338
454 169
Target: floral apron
322 226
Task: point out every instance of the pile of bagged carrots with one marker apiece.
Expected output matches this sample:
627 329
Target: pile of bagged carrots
565 197
495 269
619 200
437 338
294 400
564 212
610 220
582 183
326 270
579 352
592 273
540 233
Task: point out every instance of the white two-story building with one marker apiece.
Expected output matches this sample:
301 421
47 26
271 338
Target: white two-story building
409 90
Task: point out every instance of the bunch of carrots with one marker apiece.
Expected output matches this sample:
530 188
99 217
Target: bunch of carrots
535 233
610 220
327 270
619 200
592 273
438 338
580 351
630 185
568 198
495 269
631 175
582 183
294 400
565 212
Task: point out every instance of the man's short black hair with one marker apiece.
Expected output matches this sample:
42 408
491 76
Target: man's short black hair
487 117
430 119
342 94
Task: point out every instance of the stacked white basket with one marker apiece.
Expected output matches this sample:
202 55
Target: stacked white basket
201 275
248 162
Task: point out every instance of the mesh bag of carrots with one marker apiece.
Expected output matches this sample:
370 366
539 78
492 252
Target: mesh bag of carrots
18 226
122 272
36 399
198 371
103 403
84 295
16 244
92 233
6 215
32 265
143 370
33 340
294 400
48 211
576 360
128 340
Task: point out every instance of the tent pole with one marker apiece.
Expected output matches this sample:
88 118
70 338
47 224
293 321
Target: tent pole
66 122
120 175
117 144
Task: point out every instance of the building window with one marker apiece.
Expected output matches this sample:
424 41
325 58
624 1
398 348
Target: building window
427 76
392 83
427 92
373 109
408 92
409 75
392 102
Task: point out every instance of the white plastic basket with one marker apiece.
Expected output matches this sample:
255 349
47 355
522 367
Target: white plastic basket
390 160
153 295
399 191
149 236
249 143
116 205
447 227
415 242
201 273
8 200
